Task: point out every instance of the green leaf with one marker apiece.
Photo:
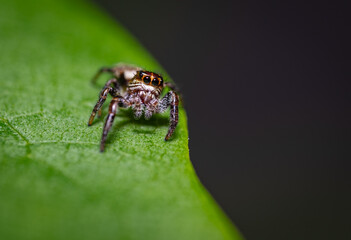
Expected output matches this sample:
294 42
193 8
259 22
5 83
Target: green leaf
54 182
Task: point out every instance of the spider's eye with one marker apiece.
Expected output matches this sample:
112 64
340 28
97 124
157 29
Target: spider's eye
147 79
155 81
161 81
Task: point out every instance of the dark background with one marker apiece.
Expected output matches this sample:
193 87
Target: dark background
267 92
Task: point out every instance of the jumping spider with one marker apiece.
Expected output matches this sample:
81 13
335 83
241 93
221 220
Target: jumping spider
136 88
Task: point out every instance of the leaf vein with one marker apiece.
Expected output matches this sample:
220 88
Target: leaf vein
26 115
16 131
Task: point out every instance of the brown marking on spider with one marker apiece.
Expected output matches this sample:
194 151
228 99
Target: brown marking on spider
132 87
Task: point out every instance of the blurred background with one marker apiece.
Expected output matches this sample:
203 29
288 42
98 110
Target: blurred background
267 92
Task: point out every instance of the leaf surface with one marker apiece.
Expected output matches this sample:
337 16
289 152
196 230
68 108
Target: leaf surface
54 182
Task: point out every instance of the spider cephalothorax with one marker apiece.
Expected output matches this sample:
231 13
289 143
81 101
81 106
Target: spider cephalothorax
138 89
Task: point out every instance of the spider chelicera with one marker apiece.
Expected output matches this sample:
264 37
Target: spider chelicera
132 87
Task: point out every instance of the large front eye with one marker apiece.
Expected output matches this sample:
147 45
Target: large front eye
161 81
147 79
155 81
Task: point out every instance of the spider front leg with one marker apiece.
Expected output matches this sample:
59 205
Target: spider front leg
116 101
170 99
102 98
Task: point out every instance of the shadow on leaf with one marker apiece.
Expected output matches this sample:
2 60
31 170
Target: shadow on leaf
155 121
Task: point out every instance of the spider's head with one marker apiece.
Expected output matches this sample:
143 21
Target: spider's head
149 78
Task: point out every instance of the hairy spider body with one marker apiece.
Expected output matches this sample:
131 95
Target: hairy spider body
132 87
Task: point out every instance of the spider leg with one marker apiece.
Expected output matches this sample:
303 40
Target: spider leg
115 83
117 88
170 99
101 70
172 86
102 98
116 101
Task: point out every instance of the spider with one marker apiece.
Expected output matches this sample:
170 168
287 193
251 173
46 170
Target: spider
133 87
